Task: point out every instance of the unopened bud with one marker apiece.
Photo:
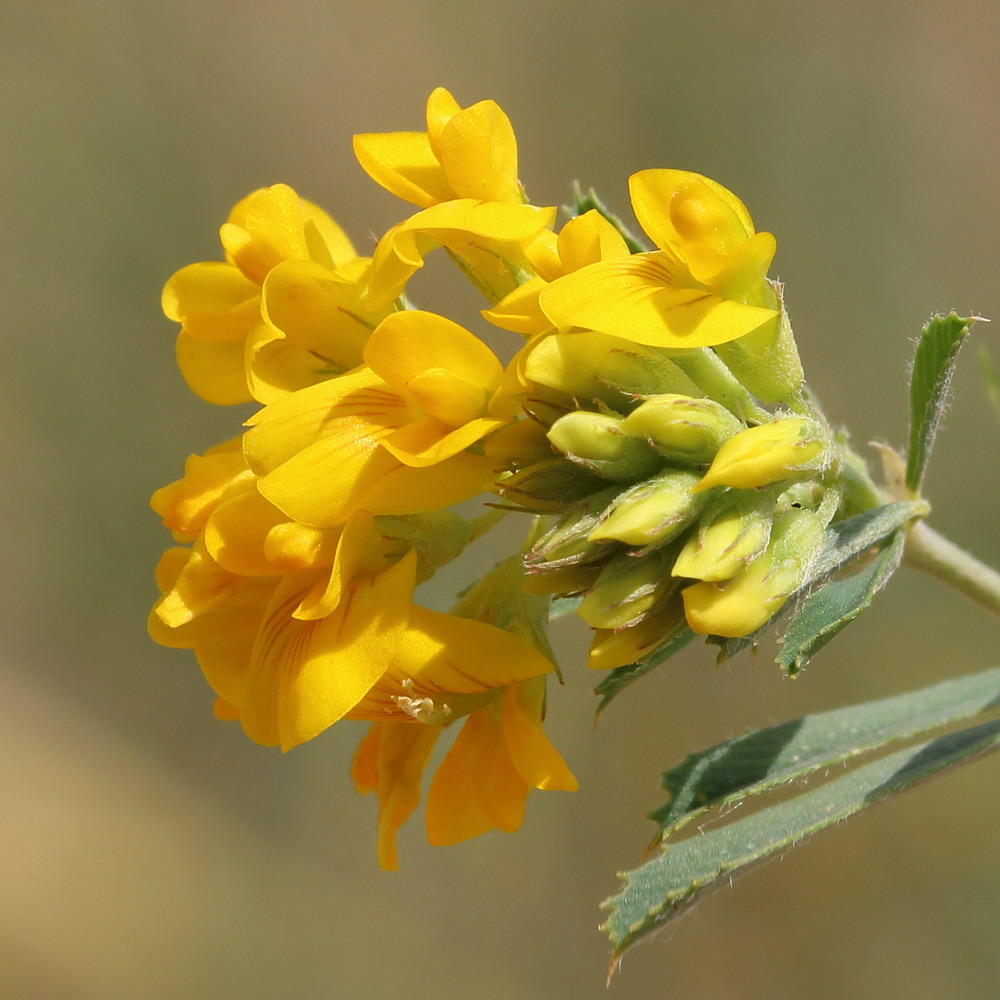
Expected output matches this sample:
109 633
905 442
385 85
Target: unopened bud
599 442
749 600
591 366
732 532
653 512
549 487
567 542
685 430
628 588
782 449
611 648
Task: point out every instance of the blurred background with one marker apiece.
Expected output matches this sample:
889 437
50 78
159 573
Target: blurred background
150 851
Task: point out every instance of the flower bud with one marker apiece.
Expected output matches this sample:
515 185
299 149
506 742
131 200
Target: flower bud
611 648
599 442
549 487
732 532
591 366
758 456
628 588
750 599
685 430
567 542
653 512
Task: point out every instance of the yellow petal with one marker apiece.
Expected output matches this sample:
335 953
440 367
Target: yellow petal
213 370
305 675
441 108
201 584
519 311
458 223
587 239
390 761
186 504
429 441
408 344
536 759
405 165
676 207
478 152
212 301
453 811
635 298
237 530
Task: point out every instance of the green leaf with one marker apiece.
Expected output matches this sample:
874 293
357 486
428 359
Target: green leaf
765 758
933 363
620 678
682 873
845 541
835 605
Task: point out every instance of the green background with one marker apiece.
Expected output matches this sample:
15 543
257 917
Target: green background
150 851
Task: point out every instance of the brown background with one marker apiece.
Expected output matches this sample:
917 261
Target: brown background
151 851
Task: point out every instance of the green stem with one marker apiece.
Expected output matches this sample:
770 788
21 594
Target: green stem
933 553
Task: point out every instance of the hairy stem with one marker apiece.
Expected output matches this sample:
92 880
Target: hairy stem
933 553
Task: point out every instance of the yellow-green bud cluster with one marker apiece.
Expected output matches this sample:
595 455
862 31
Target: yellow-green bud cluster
703 508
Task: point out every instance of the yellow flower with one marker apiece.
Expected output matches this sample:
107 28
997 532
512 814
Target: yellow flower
392 437
317 323
705 286
218 303
465 153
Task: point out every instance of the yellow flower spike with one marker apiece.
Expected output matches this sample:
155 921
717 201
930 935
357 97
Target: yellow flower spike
489 235
465 153
390 761
766 454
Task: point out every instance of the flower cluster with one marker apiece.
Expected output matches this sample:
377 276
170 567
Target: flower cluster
651 419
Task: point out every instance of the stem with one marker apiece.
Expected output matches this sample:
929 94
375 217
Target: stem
933 553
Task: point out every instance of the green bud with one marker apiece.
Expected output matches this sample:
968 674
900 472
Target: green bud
627 590
599 442
767 361
732 532
596 366
567 542
653 512
685 430
713 379
549 487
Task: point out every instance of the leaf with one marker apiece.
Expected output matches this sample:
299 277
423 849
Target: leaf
845 540
835 605
682 873
765 758
933 364
620 678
